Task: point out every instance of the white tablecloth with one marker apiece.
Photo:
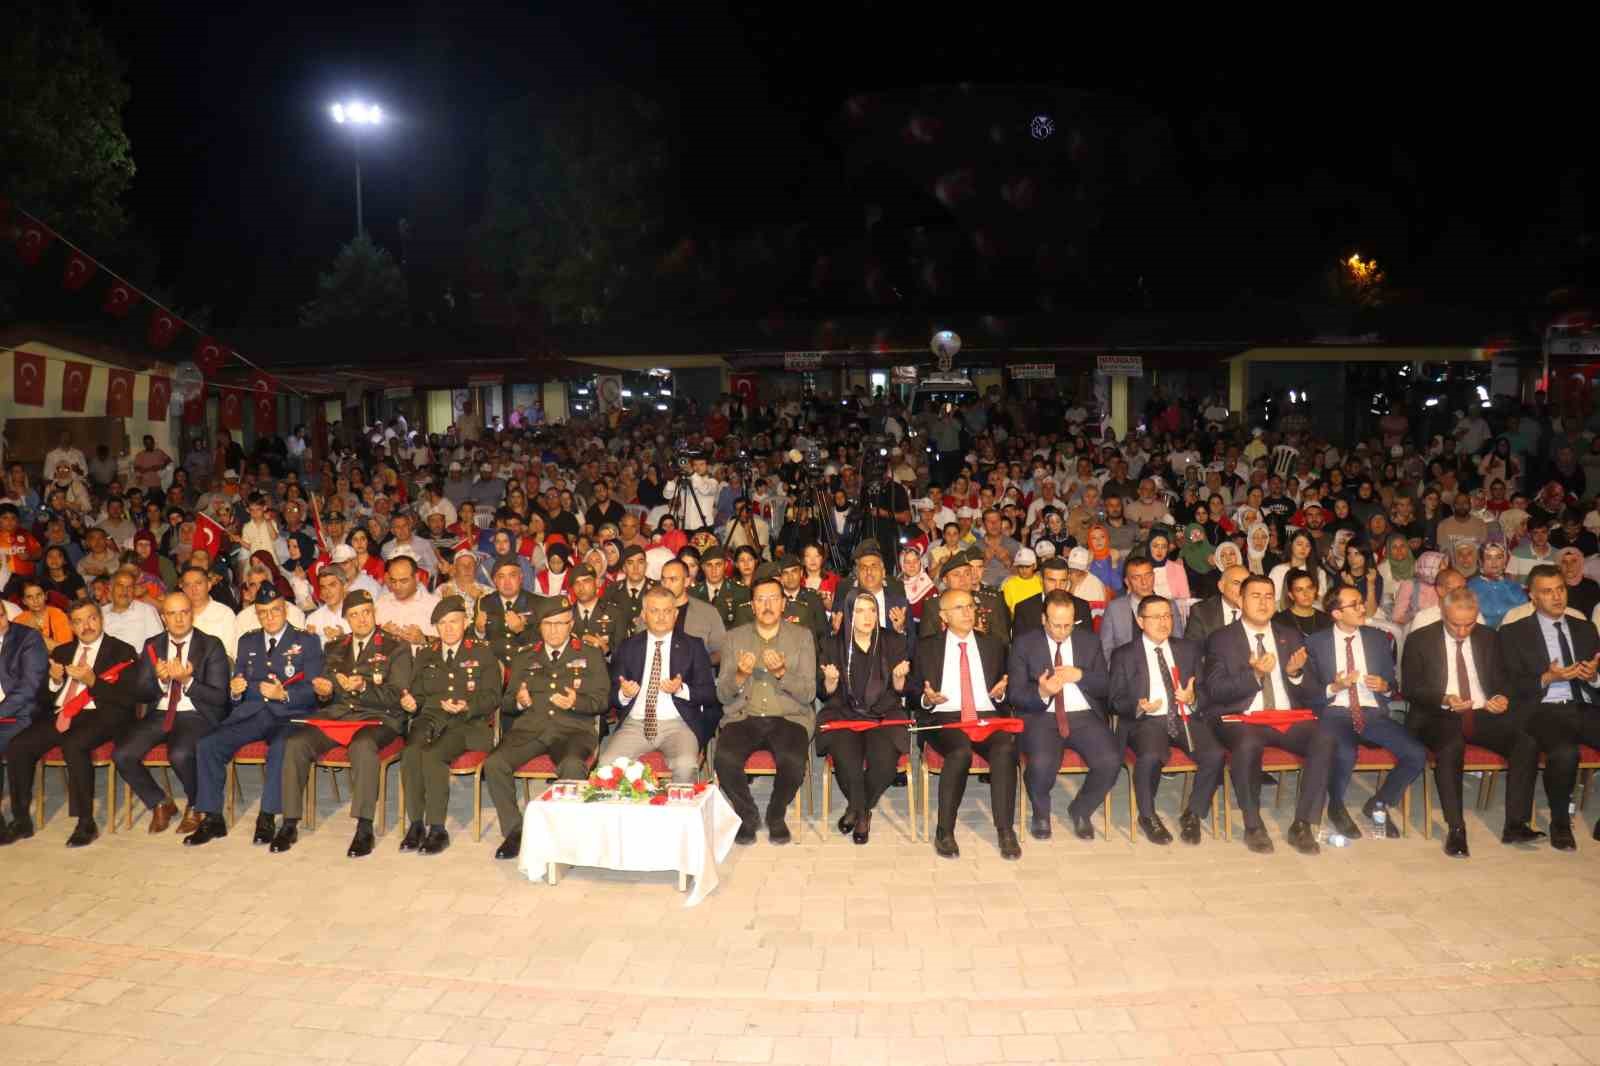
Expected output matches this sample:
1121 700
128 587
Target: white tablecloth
690 838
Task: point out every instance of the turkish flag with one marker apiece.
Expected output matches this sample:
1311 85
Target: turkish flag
265 397
32 240
745 386
75 385
119 394
80 268
120 299
230 410
160 398
208 536
163 327
208 356
194 411
27 378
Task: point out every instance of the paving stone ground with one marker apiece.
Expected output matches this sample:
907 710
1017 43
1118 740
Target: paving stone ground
138 950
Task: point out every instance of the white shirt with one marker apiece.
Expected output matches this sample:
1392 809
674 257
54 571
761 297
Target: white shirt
665 707
326 617
1071 692
93 653
133 626
950 683
184 702
417 611
1452 681
217 621
1341 696
1158 690
1279 682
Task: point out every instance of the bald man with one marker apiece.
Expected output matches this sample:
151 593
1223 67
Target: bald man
1219 611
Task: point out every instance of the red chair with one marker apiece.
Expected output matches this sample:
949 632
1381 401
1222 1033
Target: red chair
252 754
337 759
1273 761
155 758
1380 761
1071 763
1588 763
1477 760
902 767
933 763
1179 763
100 757
762 764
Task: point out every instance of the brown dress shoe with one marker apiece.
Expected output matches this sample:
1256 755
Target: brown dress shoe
162 816
191 821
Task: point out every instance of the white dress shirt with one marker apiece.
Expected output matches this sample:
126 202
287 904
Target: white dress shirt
950 683
66 680
1452 681
184 702
326 617
135 625
417 611
217 621
1280 683
1072 693
1341 666
1158 690
665 707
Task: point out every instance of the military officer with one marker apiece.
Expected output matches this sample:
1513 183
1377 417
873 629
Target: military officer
726 596
991 620
455 690
992 617
593 620
802 606
363 674
559 687
504 616
626 597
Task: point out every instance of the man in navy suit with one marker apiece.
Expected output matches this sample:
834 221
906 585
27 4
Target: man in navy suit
271 684
1060 690
24 664
1353 668
183 676
1253 665
1156 710
664 691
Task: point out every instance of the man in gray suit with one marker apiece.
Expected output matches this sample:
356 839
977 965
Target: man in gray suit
1220 611
1116 625
696 617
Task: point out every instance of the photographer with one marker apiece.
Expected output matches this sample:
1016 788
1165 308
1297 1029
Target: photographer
700 508
747 528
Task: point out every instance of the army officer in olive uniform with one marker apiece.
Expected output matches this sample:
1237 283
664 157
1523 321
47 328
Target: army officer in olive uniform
625 598
559 687
802 606
505 616
714 588
593 620
455 690
363 675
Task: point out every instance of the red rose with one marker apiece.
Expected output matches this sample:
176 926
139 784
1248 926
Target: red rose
699 787
659 800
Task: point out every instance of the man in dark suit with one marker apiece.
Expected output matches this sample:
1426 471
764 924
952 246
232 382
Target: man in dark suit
1551 660
1219 611
90 698
505 616
664 691
1053 574
1457 690
24 664
1155 690
183 678
1253 665
1060 690
1119 624
1352 666
960 675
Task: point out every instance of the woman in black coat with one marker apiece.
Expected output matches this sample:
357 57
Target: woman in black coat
861 672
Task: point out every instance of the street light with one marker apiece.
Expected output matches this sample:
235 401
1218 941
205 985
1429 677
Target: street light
357 114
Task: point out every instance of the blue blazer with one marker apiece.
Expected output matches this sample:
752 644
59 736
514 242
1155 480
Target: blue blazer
1130 674
1030 659
696 702
298 652
1326 649
1229 685
209 689
24 667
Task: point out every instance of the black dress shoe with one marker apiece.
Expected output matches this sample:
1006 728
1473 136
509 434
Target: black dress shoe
1520 833
361 844
287 837
266 829
944 844
435 842
1597 829
1039 828
1371 808
212 827
413 838
6 836
1082 827
1302 838
1341 820
1154 830
1189 827
510 847
1010 846
22 828
1257 840
1561 837
778 832
863 828
86 832
847 822
746 834
1455 842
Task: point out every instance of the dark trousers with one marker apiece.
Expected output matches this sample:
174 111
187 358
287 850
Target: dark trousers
736 741
182 744
304 743
1500 733
1000 749
864 764
425 768
1312 741
569 750
90 729
1381 731
1560 728
1152 748
217 748
1041 742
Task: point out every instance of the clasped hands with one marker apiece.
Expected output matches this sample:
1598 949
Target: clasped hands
1583 670
1184 695
1354 678
770 660
1264 664
1494 704
565 699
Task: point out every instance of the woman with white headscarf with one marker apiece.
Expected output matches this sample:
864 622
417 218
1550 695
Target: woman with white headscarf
1259 557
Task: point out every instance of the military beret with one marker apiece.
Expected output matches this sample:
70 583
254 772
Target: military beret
630 551
580 572
501 561
713 552
867 548
267 593
973 556
765 572
448 605
356 598
550 606
790 562
959 559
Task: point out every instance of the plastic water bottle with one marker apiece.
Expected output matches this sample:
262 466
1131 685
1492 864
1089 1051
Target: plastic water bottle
1380 822
1332 837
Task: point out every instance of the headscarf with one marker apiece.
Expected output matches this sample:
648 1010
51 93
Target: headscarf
1226 555
1466 562
150 564
1196 550
1402 569
1426 572
919 585
1253 558
861 674
279 582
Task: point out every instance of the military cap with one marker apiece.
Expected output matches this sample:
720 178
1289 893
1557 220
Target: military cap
765 572
550 606
959 559
580 572
501 561
790 562
630 551
356 598
267 593
713 552
448 605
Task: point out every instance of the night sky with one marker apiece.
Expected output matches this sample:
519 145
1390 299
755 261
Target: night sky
1255 170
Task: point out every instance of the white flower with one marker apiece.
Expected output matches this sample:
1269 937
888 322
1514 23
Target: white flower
634 772
621 762
606 773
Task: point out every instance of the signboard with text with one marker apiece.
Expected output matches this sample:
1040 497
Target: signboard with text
1033 371
1125 366
802 360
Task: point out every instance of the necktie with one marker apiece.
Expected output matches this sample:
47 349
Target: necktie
449 656
652 689
1463 688
73 687
1358 717
272 643
969 701
1269 684
174 690
1577 687
360 647
1169 682
1061 700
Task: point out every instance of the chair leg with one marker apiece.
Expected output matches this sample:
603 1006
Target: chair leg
926 788
827 795
38 797
1427 807
311 798
477 805
911 802
1405 814
1132 818
1227 821
1107 805
229 783
383 802
1486 790
111 795
1583 797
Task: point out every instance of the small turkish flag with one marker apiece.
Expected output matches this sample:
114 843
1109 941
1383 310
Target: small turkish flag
163 327
208 536
208 356
74 385
746 387
80 268
194 411
32 240
230 410
160 398
119 394
265 397
120 299
27 378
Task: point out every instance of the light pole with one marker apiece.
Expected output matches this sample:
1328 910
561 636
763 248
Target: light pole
357 115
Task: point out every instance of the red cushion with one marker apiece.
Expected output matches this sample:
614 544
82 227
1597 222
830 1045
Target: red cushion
255 751
902 766
53 757
760 762
1072 762
1484 757
99 757
1178 763
1374 758
540 765
156 756
935 762
468 761
340 757
1588 756
1279 759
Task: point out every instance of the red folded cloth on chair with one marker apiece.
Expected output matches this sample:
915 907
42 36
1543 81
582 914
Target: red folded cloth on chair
339 730
861 725
978 729
1279 720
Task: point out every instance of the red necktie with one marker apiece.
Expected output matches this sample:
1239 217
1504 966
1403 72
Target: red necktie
1357 716
174 690
969 702
73 687
1463 689
1061 703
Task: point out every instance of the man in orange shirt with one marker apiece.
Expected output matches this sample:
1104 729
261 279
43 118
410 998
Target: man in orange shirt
19 550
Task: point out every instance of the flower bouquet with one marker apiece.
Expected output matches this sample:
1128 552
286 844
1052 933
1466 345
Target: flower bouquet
623 780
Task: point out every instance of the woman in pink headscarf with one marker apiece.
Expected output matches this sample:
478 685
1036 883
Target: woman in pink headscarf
1416 593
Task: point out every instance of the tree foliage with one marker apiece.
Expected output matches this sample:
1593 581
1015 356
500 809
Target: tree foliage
364 284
